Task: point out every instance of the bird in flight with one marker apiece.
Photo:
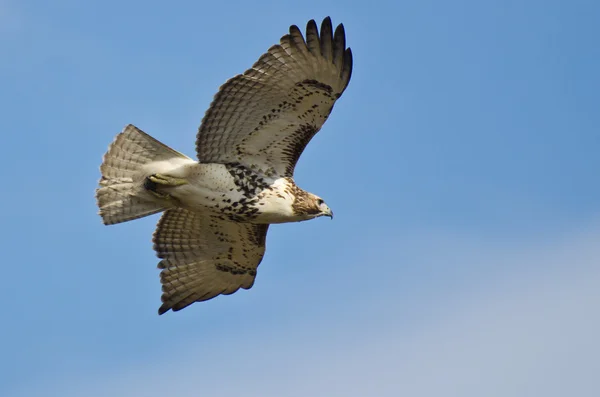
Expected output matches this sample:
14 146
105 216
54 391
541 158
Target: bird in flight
217 210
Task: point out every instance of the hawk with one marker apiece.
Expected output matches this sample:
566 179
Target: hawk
217 210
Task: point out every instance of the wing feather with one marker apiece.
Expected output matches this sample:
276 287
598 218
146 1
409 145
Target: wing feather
327 40
339 46
204 256
347 70
312 38
265 117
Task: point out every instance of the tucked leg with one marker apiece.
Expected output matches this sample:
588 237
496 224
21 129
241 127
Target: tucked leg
153 182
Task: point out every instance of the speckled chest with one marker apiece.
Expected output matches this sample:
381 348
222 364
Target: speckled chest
250 186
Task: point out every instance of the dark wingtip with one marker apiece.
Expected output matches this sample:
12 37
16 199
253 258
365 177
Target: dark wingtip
163 309
295 29
339 45
327 39
348 65
340 31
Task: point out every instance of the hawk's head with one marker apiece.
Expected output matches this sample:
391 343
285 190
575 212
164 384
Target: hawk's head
309 206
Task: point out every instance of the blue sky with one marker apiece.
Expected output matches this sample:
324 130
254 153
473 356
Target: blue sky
461 163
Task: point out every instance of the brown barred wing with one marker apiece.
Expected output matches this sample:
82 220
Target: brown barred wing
265 117
204 256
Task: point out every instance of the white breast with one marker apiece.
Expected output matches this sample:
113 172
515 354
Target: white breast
275 204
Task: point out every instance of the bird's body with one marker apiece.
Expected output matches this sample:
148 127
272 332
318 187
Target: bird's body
231 190
217 210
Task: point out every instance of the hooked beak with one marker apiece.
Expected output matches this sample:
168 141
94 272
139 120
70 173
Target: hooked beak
328 212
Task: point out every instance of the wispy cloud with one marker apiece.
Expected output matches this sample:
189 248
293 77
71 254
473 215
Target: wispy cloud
528 334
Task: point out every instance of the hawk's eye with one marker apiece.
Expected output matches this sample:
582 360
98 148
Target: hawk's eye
320 201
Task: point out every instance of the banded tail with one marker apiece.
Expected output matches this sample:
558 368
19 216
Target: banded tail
121 196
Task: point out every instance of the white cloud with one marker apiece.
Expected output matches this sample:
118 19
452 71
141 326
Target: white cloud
528 333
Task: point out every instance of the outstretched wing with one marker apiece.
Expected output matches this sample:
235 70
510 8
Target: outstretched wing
204 256
265 117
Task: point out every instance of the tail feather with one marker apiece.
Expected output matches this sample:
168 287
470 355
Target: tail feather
118 203
121 196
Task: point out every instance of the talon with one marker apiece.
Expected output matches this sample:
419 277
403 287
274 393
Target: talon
152 183
166 180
